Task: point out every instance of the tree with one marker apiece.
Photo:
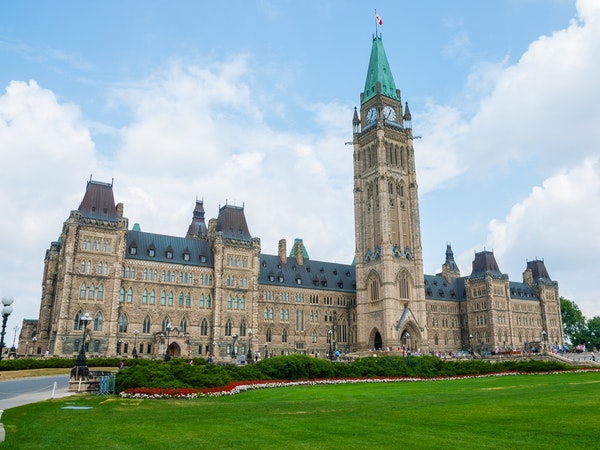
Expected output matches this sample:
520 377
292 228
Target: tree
574 326
593 329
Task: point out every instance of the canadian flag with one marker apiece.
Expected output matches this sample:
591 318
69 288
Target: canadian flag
378 19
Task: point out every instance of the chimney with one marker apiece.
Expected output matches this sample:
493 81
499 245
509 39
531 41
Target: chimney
298 252
282 251
120 210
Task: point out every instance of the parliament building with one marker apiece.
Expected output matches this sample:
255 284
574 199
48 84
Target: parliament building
216 292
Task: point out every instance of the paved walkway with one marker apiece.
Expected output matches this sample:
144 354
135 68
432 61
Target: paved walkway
34 397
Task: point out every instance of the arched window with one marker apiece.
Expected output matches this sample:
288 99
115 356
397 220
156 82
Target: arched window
171 298
268 335
105 268
236 302
100 295
287 314
144 297
183 325
82 290
281 314
188 300
164 323
404 291
122 295
204 328
163 298
208 301
266 313
201 304
229 302
98 321
228 328
284 335
242 303
82 268
129 295
123 323
146 325
270 315
243 328
152 297
181 299
77 323
91 292
88 267
314 337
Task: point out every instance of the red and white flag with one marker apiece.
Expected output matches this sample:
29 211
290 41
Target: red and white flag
378 19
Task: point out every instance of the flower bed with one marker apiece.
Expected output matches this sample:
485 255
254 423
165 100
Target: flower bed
242 386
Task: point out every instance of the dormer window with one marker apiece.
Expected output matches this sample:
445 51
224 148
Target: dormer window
133 250
151 252
298 280
271 277
280 279
169 254
202 258
186 256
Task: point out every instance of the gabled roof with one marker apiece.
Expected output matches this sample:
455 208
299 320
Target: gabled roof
98 202
538 270
310 275
379 71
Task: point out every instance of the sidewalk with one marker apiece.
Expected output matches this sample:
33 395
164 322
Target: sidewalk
33 397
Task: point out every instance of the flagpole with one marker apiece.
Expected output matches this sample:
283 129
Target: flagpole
376 23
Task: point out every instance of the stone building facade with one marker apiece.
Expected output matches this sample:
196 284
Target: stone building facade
215 292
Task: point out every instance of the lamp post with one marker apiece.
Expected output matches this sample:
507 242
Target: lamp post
81 368
6 311
249 354
167 352
471 345
13 349
330 335
234 336
33 350
135 335
266 349
543 341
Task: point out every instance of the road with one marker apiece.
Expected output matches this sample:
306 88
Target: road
29 390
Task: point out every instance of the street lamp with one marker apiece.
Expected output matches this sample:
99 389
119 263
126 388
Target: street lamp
234 336
167 352
249 355
543 341
6 311
81 367
13 349
266 350
471 345
330 335
134 352
33 350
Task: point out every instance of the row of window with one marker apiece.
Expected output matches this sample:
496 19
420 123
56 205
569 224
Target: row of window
230 281
166 299
151 252
86 267
237 261
96 244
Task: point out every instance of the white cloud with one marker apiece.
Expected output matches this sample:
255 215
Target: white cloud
46 154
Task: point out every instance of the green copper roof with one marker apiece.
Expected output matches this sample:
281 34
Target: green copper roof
304 252
379 70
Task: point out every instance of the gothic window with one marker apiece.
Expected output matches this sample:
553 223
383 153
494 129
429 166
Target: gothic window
105 268
188 300
266 314
163 298
82 268
236 302
129 295
268 335
201 303
314 337
242 303
243 328
228 328
171 298
144 297
98 321
77 322
183 325
208 301
181 299
91 292
229 302
82 290
204 328
152 297
99 268
404 290
100 294
88 267
373 289
123 323
165 324
146 325
284 336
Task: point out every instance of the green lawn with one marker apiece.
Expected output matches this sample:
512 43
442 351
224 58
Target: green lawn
558 411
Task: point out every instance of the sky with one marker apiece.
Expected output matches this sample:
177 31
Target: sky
250 102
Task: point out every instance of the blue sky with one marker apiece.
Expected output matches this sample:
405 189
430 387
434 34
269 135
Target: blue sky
250 102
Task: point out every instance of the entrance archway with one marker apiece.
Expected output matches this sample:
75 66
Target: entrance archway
175 350
377 341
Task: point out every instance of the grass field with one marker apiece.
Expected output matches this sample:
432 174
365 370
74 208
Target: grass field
558 411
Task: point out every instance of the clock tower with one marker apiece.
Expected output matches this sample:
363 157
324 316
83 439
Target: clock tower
390 295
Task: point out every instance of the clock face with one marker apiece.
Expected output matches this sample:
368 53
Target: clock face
389 113
371 115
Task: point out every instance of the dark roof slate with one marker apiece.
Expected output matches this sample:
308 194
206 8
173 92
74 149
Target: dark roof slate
198 249
231 222
98 202
312 274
